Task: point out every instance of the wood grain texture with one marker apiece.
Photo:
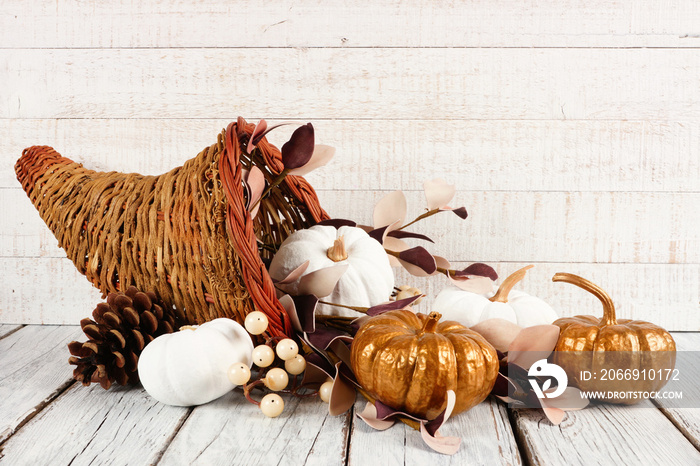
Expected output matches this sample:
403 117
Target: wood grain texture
603 434
122 425
51 291
549 155
684 413
45 293
33 371
617 227
549 226
231 430
487 438
550 23
396 83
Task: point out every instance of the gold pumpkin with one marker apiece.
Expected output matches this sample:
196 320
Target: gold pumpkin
589 348
408 361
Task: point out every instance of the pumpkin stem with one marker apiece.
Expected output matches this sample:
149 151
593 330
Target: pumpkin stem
431 322
337 252
595 290
501 295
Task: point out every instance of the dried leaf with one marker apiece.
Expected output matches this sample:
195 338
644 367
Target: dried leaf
322 154
393 305
255 181
294 275
256 135
390 209
318 371
418 261
337 223
342 394
570 400
499 332
321 282
298 150
324 336
438 193
504 387
380 234
532 344
481 270
461 212
555 415
369 415
473 284
408 234
432 437
288 304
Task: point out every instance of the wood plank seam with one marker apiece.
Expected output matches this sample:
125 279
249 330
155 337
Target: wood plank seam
20 327
674 420
520 441
60 390
169 440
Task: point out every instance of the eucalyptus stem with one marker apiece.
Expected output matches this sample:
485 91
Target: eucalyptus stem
362 310
429 213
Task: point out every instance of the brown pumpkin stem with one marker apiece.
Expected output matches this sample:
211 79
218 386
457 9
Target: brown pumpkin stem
501 295
595 290
337 252
431 322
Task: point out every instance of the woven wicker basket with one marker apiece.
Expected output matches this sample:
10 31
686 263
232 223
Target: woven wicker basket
185 235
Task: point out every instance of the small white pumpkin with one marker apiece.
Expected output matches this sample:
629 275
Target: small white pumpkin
189 367
515 306
368 280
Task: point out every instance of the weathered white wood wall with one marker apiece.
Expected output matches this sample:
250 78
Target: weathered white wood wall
572 129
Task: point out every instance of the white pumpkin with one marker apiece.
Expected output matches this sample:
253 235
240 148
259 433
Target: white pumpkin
515 306
189 367
368 280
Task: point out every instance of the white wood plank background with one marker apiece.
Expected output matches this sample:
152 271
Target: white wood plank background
571 130
79 425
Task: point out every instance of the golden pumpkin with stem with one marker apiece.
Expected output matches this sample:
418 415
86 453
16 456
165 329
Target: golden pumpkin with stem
611 355
408 361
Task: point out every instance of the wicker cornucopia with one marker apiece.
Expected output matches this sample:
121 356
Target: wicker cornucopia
185 234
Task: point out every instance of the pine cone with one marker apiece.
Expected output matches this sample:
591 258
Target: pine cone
123 326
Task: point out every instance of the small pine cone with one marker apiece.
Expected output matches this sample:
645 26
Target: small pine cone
121 328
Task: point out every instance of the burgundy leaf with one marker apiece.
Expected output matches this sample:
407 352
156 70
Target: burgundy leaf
503 386
369 415
298 150
338 222
317 372
461 212
408 234
385 412
517 372
479 269
324 336
419 257
392 306
379 234
306 308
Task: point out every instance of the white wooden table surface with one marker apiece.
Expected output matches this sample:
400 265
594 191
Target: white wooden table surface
47 418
